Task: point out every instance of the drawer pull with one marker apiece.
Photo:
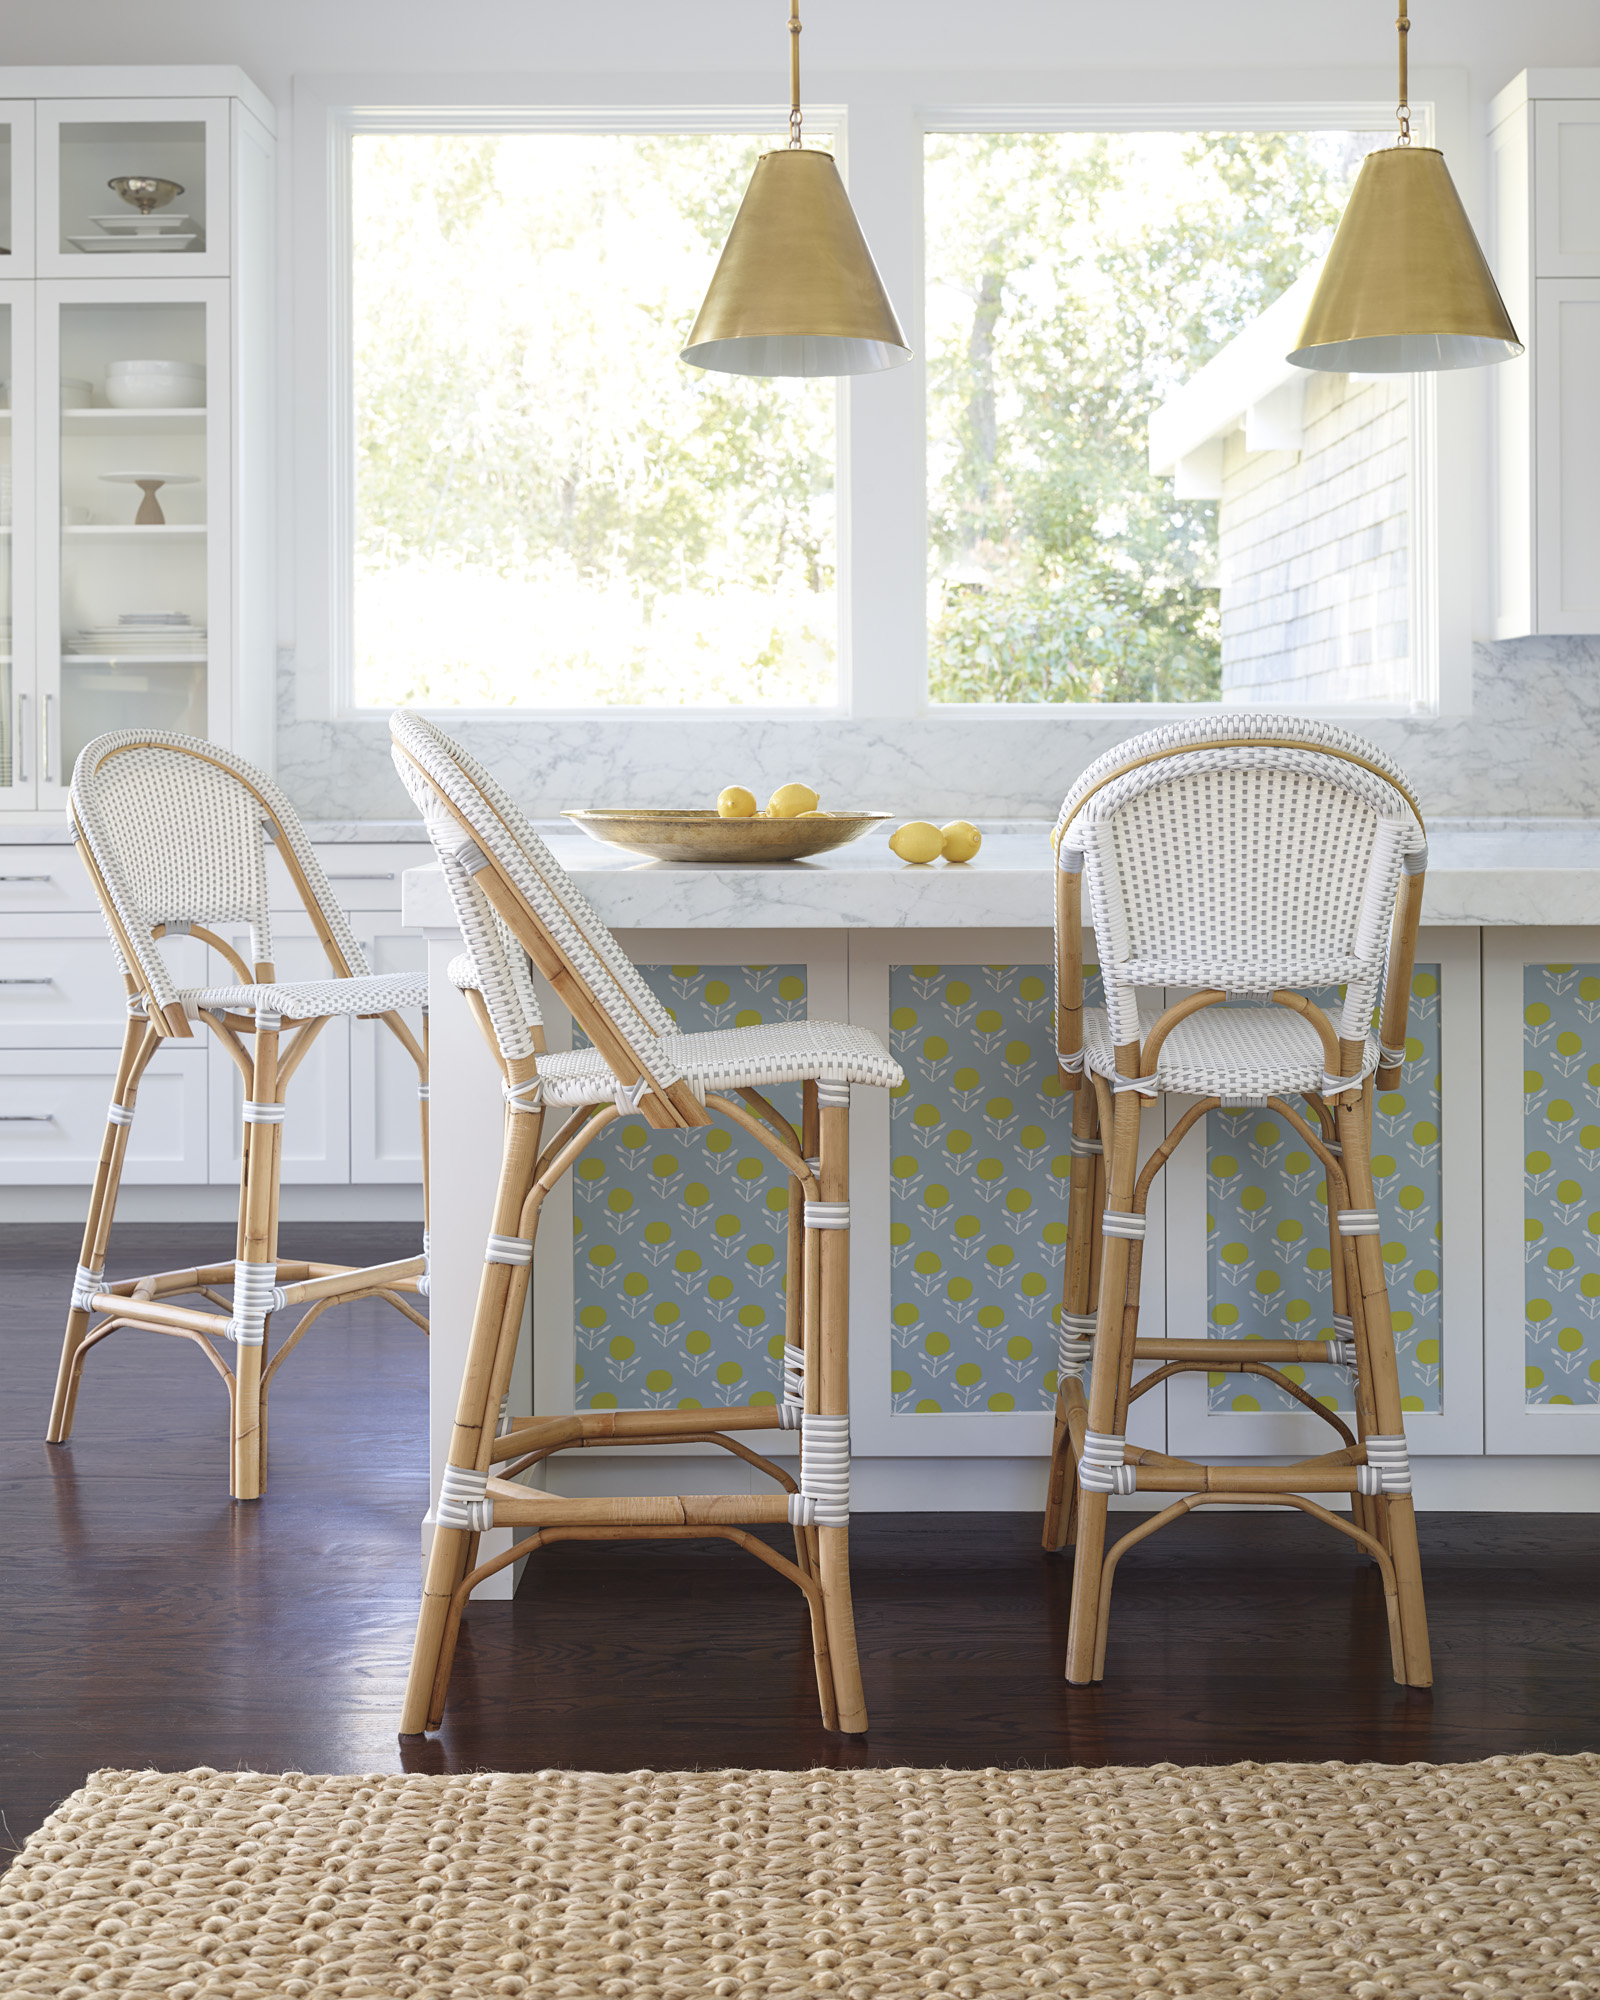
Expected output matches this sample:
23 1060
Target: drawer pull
27 1117
27 982
386 876
27 878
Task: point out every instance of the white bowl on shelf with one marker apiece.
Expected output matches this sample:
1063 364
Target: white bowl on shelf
155 385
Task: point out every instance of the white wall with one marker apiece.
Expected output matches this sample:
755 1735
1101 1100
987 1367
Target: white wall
1525 748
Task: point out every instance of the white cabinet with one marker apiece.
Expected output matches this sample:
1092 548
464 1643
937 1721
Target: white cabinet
53 1117
1545 146
128 604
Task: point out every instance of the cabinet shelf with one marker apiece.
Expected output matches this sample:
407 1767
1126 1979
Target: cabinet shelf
133 659
107 531
133 423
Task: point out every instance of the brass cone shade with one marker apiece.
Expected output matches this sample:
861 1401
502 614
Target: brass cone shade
1405 288
795 291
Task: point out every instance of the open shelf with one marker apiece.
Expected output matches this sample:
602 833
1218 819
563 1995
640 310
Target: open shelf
134 423
98 531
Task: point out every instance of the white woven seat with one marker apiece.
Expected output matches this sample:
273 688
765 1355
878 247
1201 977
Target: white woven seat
1235 1053
728 1058
314 999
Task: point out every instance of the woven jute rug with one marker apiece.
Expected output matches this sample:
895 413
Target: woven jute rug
1365 1880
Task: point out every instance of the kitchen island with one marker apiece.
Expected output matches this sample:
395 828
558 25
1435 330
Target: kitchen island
658 1267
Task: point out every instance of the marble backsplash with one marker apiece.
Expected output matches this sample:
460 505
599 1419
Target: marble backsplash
1530 747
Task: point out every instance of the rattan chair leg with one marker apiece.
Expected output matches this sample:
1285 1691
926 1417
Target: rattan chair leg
138 1044
1401 1521
256 1245
1105 1378
1061 1502
833 1400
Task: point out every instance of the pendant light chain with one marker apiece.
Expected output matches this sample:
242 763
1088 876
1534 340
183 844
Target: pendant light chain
794 75
1403 109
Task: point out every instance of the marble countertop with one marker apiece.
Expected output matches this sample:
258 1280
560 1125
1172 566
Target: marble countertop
1488 872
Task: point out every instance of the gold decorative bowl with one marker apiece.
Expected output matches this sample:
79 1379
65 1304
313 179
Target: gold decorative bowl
663 834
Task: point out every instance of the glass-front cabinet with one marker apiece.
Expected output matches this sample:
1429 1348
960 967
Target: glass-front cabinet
135 347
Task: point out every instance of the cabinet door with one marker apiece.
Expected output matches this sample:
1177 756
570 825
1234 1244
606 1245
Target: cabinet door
1541 1249
54 1116
385 1129
1567 189
60 987
1247 1222
18 198
316 1128
1566 373
136 617
179 149
19 692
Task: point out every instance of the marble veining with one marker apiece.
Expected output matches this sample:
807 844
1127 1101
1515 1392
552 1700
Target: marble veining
1527 748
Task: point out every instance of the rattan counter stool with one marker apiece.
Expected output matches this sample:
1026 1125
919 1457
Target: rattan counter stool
174 832
1240 857
515 903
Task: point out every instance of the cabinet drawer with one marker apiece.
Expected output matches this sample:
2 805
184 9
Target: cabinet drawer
59 983
53 1116
43 878
361 877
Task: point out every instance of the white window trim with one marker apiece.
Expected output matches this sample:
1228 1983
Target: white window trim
881 490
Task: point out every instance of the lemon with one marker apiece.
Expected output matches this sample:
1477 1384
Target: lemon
917 841
734 802
790 801
961 840
815 813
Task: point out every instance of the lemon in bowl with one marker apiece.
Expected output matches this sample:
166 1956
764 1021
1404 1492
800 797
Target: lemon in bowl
735 802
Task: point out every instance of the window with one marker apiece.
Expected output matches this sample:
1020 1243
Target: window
1131 496
551 510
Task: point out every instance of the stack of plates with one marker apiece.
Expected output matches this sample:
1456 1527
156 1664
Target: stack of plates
131 231
142 633
156 385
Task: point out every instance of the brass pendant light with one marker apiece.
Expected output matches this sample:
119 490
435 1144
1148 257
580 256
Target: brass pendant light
1406 289
795 291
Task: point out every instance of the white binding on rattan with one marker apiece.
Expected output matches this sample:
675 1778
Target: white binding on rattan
1358 1222
1073 1356
1393 1058
256 1293
824 1497
1084 1148
1342 1353
1122 1222
794 1375
464 1502
435 770
815 1165
1388 1467
1100 1465
1072 1064
513 1250
1416 861
269 1017
525 1096
426 1278
263 1114
1080 1325
827 1214
1240 865
118 1114
503 1421
85 1283
422 1093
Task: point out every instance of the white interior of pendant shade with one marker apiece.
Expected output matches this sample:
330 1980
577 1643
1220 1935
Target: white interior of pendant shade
796 354
1405 353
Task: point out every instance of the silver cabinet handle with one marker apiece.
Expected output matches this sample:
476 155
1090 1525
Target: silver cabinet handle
50 748
27 1117
27 878
22 739
27 982
386 876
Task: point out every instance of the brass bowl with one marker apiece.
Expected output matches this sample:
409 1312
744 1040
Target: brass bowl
145 192
662 833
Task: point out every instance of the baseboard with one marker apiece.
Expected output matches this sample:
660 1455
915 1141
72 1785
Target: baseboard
372 1202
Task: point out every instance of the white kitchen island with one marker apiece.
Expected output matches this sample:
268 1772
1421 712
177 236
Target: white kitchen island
655 1276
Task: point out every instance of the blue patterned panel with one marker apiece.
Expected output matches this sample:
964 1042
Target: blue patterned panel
1267 1252
1561 1181
978 1176
679 1267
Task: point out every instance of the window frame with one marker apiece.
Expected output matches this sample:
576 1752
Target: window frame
879 123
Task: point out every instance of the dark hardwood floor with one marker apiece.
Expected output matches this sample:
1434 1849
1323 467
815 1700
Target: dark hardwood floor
146 1620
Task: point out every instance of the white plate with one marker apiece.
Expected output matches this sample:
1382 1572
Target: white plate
93 243
139 478
145 224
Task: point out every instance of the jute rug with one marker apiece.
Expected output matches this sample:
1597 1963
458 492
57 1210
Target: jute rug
1364 1880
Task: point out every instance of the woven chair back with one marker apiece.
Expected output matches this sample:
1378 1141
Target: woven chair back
1242 851
176 831
476 826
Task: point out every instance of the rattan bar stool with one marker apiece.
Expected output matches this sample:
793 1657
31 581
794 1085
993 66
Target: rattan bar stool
174 832
1242 857
515 903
